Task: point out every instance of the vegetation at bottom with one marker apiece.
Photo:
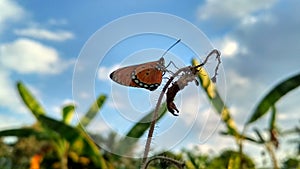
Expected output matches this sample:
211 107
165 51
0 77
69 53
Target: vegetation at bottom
59 144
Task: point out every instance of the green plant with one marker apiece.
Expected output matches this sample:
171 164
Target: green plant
62 145
64 139
268 102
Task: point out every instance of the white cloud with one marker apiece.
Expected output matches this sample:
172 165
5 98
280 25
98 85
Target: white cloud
249 20
215 144
232 9
237 81
10 12
104 72
228 47
84 95
117 104
11 104
189 97
99 126
57 108
59 35
270 42
68 101
9 122
57 22
8 96
28 56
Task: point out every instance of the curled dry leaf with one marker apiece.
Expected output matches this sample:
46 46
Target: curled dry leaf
188 75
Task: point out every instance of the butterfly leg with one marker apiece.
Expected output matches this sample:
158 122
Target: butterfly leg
171 62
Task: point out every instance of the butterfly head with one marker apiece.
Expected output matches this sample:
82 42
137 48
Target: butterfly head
161 61
161 64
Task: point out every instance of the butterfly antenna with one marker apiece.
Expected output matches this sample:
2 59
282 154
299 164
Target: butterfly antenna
171 47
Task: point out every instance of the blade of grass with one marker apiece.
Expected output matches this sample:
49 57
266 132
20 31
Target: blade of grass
33 105
92 112
242 136
261 138
68 113
273 96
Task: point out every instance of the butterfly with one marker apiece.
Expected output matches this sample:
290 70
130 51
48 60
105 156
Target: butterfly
146 75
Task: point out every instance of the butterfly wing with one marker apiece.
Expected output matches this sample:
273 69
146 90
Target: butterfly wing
123 76
147 75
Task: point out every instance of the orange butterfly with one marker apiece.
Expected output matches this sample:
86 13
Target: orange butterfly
147 75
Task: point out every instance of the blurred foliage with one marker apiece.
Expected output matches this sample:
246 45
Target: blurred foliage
267 103
291 163
276 93
58 144
231 159
50 143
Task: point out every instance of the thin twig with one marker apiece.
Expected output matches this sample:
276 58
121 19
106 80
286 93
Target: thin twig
179 164
154 118
218 54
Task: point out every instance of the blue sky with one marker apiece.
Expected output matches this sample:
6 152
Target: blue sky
41 41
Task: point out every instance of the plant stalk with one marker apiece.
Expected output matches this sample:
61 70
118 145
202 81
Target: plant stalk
155 114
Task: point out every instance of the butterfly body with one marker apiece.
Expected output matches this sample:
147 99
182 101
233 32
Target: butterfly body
147 75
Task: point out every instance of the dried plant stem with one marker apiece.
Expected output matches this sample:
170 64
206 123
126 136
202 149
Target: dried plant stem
179 164
218 54
155 114
154 118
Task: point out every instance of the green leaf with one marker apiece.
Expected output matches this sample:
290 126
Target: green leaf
216 100
92 112
79 141
68 112
68 132
273 96
261 138
250 139
23 132
225 133
29 100
137 131
234 162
